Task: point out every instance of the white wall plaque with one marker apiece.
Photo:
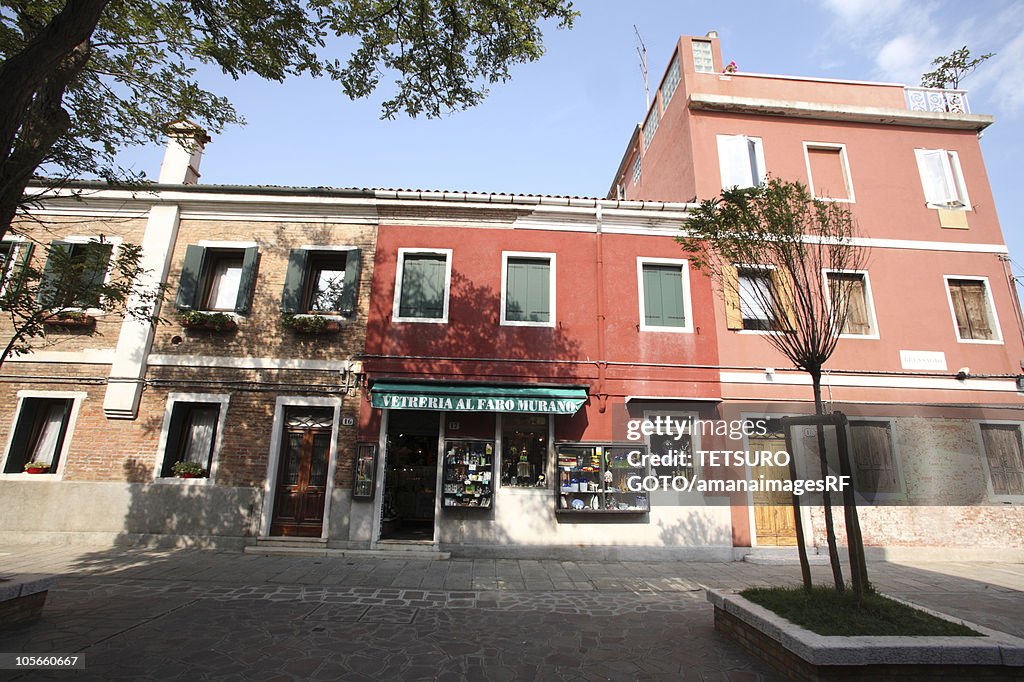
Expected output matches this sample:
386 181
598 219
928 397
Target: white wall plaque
923 359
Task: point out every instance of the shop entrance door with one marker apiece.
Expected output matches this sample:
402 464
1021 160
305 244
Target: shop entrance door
410 476
773 511
301 489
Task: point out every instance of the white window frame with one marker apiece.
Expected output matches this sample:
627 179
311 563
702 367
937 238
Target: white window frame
869 300
273 459
400 271
172 399
897 461
535 255
76 398
844 160
684 266
762 170
954 176
994 318
992 496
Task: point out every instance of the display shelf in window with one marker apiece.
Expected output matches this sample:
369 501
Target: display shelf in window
595 479
467 479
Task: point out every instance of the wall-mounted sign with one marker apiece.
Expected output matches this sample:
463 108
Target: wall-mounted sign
923 359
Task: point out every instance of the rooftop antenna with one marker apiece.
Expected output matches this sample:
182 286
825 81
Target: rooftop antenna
641 50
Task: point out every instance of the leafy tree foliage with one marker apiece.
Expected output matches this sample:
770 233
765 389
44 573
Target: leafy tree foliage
951 69
83 78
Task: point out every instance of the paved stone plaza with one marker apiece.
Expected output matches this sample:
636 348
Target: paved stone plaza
140 614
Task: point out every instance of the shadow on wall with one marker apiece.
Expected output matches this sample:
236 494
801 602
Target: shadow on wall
191 515
473 330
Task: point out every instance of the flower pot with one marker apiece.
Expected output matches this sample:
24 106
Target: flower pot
73 322
37 470
188 475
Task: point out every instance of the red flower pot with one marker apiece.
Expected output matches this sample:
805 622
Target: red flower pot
188 476
37 470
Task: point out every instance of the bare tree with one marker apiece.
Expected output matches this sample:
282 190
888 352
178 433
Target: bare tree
789 265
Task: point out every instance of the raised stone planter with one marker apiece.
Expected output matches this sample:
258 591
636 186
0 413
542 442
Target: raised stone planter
803 655
22 598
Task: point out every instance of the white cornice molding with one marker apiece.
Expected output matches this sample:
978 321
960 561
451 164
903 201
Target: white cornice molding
838 112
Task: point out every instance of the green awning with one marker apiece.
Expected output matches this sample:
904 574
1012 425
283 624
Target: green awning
474 398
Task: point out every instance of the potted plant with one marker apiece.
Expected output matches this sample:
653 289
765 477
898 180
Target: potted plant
188 470
310 324
200 320
71 319
37 468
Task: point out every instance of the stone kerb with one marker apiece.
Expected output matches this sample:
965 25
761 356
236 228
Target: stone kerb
993 648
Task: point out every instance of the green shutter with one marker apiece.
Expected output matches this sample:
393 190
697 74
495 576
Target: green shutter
663 296
350 289
295 282
423 284
528 290
58 257
18 271
247 285
97 260
191 271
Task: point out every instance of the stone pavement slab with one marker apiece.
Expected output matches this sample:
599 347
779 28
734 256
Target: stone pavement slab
144 614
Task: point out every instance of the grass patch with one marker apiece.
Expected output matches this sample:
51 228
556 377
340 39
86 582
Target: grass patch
827 612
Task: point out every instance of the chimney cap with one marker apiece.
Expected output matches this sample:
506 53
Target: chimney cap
186 128
711 34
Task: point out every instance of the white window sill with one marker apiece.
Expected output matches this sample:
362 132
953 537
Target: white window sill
670 330
867 337
420 320
982 342
330 318
834 200
31 477
517 323
174 480
946 207
760 332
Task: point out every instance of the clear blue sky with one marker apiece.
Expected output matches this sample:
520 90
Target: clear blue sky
561 124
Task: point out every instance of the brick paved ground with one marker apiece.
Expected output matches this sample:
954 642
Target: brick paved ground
193 615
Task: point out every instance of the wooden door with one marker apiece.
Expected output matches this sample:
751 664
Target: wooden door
773 511
302 479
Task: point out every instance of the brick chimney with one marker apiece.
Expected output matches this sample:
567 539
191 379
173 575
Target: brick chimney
185 143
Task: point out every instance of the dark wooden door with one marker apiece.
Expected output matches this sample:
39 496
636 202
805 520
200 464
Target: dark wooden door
302 482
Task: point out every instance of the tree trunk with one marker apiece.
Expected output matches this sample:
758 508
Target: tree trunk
798 524
826 497
40 70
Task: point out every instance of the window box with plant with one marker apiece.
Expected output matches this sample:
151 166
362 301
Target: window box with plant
71 319
310 324
37 467
198 320
187 469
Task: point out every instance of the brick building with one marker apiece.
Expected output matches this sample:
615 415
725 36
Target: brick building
439 370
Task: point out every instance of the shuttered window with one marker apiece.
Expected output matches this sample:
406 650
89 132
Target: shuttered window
423 290
321 281
873 461
191 435
1005 459
74 274
741 161
972 309
942 178
217 279
849 294
664 304
528 290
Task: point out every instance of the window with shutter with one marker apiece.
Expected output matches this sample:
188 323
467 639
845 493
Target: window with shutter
74 274
756 299
874 463
942 179
528 290
848 293
741 161
423 285
1002 443
218 279
321 281
972 310
664 303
